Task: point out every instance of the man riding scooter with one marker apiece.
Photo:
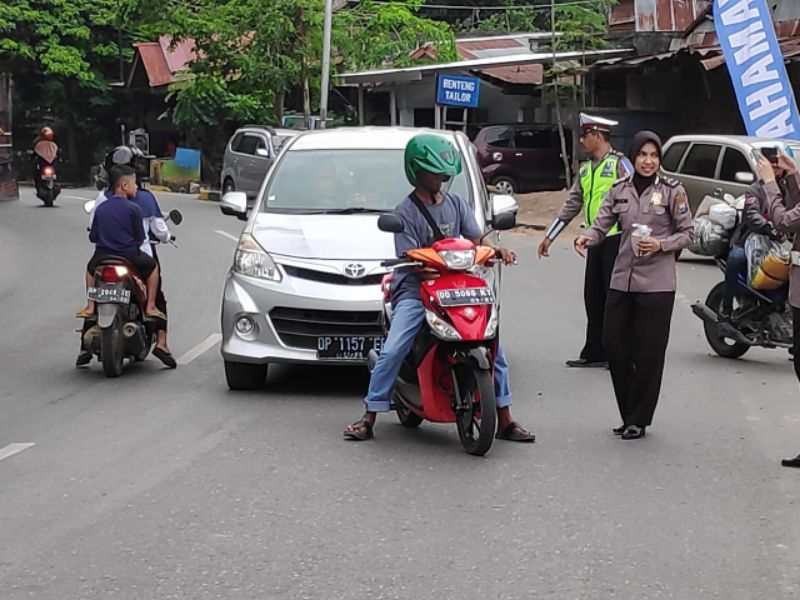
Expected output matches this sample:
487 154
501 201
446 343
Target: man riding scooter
755 219
45 153
430 162
156 229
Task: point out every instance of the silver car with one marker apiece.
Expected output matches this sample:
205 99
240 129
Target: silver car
715 165
250 153
305 285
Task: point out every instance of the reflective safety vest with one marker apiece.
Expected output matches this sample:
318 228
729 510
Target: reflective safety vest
595 185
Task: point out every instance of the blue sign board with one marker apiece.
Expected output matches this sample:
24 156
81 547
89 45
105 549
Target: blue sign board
755 64
456 90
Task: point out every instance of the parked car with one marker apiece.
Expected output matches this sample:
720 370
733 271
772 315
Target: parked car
249 154
305 285
714 165
522 158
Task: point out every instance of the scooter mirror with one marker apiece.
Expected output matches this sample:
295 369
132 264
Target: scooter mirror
390 223
88 206
175 216
504 221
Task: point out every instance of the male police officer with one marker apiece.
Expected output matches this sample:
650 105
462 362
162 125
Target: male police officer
596 176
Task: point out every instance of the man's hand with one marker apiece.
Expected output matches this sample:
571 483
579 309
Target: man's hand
509 257
787 163
764 168
648 246
581 243
544 248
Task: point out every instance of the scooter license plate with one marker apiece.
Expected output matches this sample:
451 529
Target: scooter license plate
109 295
347 347
465 297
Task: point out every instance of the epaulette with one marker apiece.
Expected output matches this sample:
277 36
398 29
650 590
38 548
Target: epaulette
670 182
617 153
622 180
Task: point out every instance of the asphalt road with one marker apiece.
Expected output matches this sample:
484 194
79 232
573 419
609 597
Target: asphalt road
163 484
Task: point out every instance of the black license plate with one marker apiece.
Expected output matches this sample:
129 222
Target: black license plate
466 297
109 295
347 347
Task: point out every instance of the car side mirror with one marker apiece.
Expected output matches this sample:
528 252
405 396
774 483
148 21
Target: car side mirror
234 204
88 206
262 152
744 177
390 224
175 216
504 221
503 204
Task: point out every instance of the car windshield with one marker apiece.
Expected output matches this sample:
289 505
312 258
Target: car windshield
343 181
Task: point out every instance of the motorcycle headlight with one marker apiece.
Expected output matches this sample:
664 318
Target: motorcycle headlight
252 260
458 260
441 328
491 326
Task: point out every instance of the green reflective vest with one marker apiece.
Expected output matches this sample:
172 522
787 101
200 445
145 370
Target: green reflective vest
595 185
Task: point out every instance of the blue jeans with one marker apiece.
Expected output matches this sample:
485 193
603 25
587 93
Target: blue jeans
407 318
736 266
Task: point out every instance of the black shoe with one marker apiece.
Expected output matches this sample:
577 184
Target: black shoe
84 358
633 432
582 363
791 462
619 430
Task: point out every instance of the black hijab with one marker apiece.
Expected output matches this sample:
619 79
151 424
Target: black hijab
640 182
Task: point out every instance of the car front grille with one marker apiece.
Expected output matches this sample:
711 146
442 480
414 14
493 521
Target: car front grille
332 278
300 328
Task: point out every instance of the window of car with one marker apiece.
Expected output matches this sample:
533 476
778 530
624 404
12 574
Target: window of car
673 155
733 162
533 139
701 160
333 180
499 137
249 144
236 142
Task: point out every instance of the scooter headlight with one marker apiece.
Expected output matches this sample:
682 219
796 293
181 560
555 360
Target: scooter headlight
458 260
252 260
441 328
491 326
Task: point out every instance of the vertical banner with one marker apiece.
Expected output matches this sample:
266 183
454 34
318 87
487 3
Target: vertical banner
755 64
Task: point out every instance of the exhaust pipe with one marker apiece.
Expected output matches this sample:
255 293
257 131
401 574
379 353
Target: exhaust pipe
725 329
135 338
129 330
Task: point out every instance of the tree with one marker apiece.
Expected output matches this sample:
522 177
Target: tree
62 55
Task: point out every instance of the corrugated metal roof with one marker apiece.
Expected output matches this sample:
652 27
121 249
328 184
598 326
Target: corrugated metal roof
162 64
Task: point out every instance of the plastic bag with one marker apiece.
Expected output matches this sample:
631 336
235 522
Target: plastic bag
710 238
768 262
640 232
723 214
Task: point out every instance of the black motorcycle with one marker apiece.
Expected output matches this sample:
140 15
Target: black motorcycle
47 188
761 318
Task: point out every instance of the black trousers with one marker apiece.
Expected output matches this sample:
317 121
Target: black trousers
636 336
161 301
796 357
597 277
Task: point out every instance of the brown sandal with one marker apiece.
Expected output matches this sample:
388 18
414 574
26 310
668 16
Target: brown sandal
514 432
360 431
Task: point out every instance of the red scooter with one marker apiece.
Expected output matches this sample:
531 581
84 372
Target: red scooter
449 374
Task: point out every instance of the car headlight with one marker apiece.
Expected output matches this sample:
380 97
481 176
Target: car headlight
252 260
491 326
458 260
441 328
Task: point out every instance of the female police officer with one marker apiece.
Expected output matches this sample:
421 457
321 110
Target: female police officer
642 294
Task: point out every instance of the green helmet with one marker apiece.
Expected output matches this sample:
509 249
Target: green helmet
432 153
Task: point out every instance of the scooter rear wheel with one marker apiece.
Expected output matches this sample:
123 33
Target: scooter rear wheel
112 353
476 425
406 417
720 344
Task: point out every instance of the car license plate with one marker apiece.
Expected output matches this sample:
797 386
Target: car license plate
109 295
466 297
347 347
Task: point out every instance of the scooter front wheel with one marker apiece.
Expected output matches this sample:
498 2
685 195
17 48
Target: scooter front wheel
477 424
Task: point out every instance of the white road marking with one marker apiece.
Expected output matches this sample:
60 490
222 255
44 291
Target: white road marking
201 348
13 449
227 235
84 198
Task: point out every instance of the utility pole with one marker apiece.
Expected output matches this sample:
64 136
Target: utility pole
564 157
326 63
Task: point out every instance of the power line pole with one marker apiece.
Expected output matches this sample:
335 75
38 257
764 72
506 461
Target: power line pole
326 63
564 157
